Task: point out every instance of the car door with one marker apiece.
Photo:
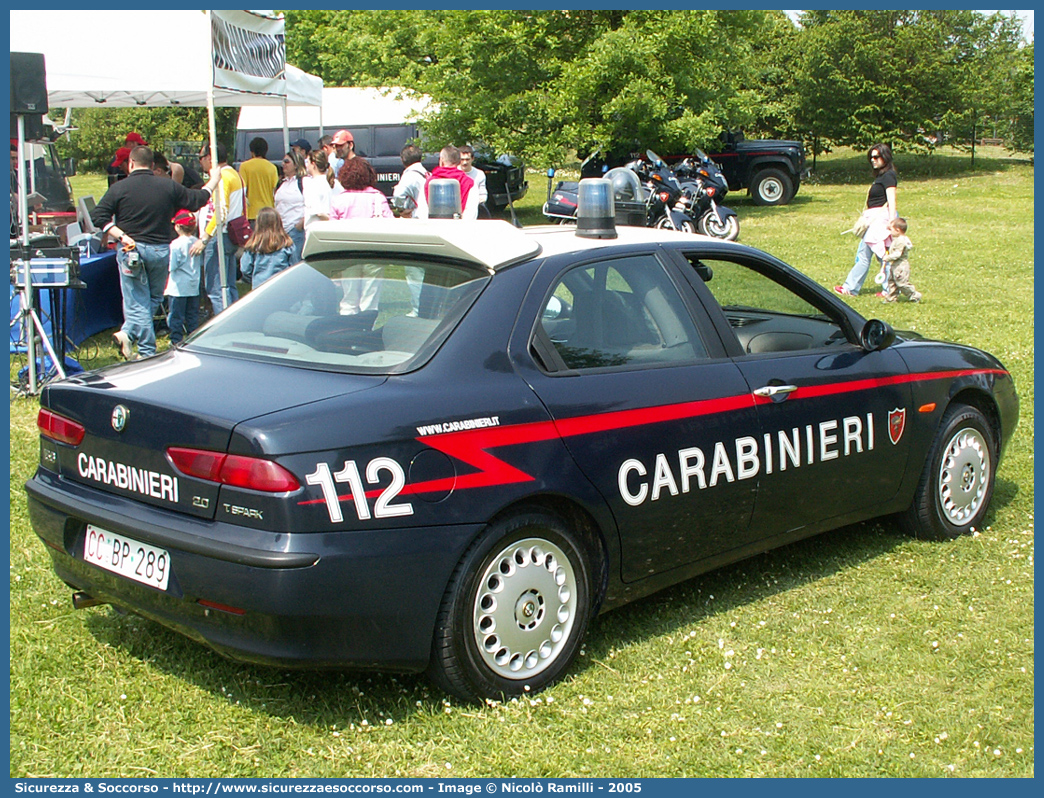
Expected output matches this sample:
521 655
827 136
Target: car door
646 403
832 415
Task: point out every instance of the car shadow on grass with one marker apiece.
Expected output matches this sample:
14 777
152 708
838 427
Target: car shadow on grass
340 699
761 577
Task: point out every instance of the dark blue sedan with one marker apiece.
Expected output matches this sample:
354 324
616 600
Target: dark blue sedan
444 445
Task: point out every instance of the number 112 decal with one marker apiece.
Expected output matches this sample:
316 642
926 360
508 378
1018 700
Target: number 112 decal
383 508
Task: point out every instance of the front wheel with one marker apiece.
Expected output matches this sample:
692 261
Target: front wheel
515 611
957 481
771 187
685 226
727 229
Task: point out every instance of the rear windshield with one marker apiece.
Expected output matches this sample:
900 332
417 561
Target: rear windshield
359 314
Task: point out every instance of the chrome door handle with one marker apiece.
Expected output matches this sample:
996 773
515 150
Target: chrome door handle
774 390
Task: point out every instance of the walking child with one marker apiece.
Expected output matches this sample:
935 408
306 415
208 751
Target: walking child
268 251
897 263
183 281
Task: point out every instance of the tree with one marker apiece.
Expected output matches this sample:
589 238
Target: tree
1018 111
100 131
547 84
900 76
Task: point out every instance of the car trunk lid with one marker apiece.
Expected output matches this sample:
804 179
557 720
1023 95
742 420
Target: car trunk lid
133 413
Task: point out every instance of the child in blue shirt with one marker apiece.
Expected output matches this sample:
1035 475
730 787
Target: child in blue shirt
268 251
182 287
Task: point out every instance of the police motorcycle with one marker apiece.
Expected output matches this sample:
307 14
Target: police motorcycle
706 186
644 195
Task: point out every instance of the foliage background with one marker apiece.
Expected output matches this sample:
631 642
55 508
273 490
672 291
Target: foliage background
548 85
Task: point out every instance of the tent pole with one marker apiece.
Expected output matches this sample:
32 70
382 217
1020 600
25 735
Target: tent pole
219 206
286 130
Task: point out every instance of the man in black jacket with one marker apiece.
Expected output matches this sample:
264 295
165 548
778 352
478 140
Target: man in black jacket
137 213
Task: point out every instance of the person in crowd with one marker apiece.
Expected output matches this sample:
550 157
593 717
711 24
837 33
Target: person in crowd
182 290
302 147
289 199
318 187
229 203
260 177
120 166
136 212
268 251
360 200
134 140
897 262
467 166
178 172
407 196
161 166
326 145
881 208
449 168
408 190
344 146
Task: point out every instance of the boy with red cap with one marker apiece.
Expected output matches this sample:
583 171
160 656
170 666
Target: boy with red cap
182 290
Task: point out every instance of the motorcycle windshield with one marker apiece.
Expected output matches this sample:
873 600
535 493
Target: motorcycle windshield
626 185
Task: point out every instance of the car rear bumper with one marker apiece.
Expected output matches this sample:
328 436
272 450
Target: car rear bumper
325 599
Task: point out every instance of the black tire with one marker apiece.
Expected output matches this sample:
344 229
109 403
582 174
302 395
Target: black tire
957 481
665 223
515 611
726 230
771 187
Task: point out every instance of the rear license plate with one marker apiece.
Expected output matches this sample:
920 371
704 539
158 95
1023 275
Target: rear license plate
127 557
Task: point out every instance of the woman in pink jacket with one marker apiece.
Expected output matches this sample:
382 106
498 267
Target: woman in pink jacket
360 200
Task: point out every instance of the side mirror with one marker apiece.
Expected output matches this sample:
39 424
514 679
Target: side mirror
703 270
70 167
876 335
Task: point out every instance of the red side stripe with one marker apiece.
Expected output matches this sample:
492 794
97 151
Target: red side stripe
472 446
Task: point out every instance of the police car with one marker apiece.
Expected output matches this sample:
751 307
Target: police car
445 446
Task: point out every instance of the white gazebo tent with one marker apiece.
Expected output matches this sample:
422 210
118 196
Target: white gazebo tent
143 58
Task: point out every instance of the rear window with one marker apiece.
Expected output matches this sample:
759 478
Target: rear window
358 314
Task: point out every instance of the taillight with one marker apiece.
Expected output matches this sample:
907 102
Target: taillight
59 428
233 469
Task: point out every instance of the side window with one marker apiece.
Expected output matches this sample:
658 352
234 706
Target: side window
388 140
619 313
765 315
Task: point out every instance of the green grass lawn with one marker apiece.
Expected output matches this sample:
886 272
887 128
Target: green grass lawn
860 652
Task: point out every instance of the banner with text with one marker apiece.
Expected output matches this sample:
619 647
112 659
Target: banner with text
249 52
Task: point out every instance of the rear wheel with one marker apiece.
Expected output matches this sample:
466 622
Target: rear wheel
515 611
957 481
771 187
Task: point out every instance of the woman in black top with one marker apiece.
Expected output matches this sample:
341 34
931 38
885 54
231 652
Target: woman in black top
880 210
